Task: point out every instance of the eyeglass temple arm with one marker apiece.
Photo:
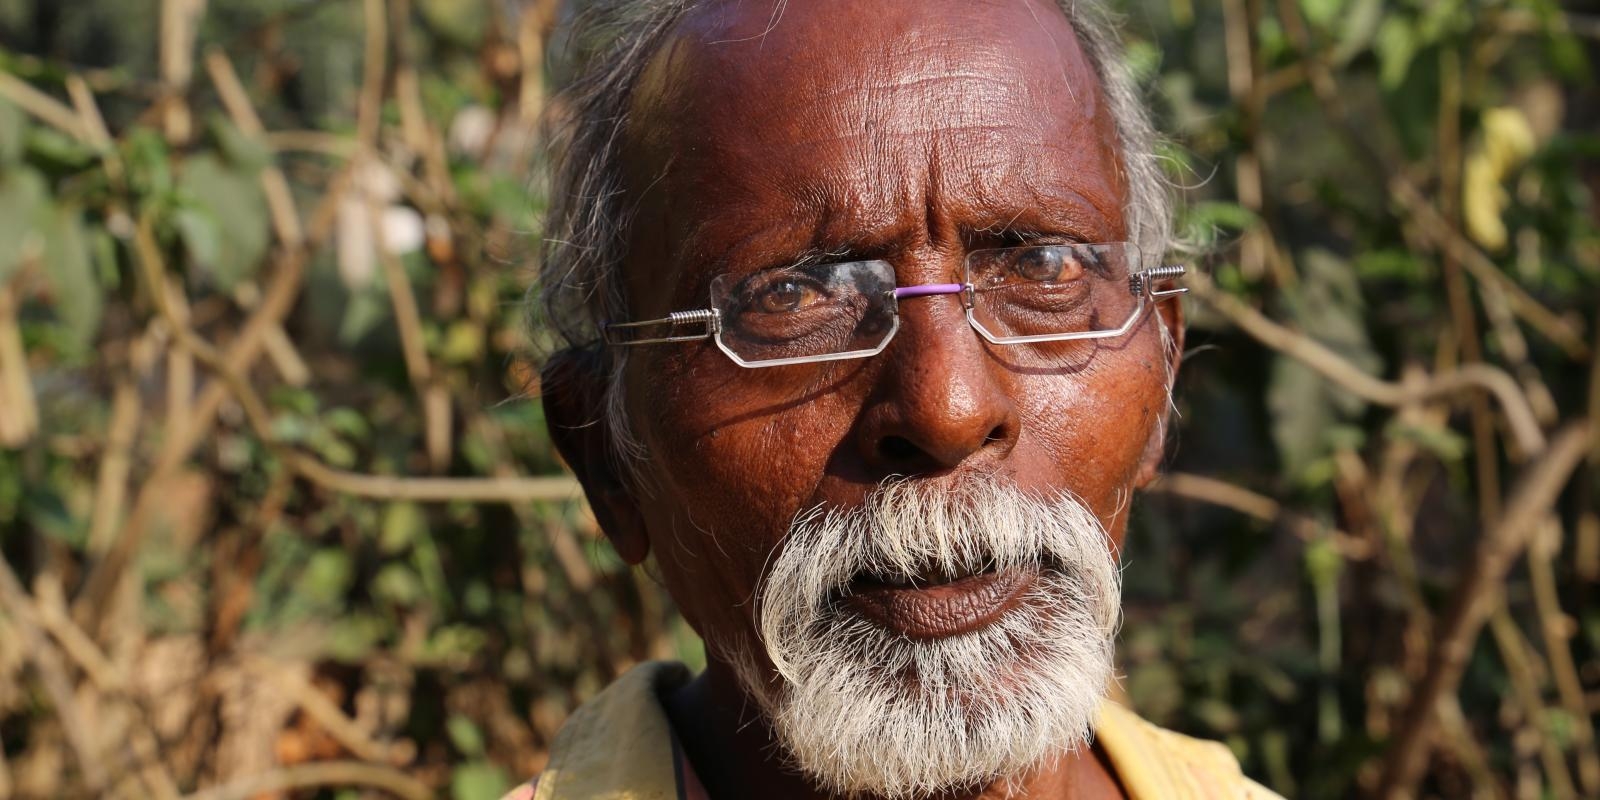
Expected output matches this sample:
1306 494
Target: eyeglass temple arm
1143 283
618 333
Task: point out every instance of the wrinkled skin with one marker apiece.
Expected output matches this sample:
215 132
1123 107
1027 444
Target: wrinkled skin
907 131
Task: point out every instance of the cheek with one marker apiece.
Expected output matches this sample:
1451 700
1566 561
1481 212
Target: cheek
731 462
1091 428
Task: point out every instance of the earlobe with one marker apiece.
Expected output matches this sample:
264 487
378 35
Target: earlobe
572 387
1171 319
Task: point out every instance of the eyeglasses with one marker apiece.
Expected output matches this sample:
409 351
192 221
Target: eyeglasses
828 312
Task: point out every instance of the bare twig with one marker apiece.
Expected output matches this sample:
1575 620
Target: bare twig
375 486
111 485
1469 751
438 490
342 728
108 680
180 364
1475 596
408 319
180 23
19 412
319 143
1519 416
52 675
1237 498
1403 189
276 302
1557 630
533 31
563 545
320 773
41 105
374 61
1433 226
1520 661
280 202
94 127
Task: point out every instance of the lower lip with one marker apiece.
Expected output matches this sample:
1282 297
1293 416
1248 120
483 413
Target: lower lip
939 611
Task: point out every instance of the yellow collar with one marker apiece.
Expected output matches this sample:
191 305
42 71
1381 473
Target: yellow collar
619 746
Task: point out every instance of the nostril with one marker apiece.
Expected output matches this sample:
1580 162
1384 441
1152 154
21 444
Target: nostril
898 449
996 435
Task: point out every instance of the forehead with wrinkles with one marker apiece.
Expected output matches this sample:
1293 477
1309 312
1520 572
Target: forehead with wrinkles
829 119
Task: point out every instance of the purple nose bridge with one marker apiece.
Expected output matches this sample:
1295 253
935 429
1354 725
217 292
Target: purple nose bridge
928 288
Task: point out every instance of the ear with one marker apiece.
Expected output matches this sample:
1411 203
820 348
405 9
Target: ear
573 388
1170 314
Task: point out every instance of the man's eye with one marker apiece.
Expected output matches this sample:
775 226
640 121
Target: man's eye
787 297
1043 264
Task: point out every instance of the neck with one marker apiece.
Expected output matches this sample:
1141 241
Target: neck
734 752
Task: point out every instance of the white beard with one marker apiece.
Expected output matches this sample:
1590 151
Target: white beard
862 710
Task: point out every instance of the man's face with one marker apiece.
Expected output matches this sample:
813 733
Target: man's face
910 132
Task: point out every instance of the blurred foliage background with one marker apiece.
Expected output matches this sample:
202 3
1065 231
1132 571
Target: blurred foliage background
279 517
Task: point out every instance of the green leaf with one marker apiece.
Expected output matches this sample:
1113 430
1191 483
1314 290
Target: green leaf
1204 222
367 308
70 271
461 21
397 584
200 232
1306 409
247 153
353 636
1323 562
1392 264
347 422
403 524
464 734
58 150
1300 413
478 780
1143 60
1447 445
13 133
144 154
104 247
326 578
463 342
1361 23
453 644
233 196
1322 13
24 206
1396 46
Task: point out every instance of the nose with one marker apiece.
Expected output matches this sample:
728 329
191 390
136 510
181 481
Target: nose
939 401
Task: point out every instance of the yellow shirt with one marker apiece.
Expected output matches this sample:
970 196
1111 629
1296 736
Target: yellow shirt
619 746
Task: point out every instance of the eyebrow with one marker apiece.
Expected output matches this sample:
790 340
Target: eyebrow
1065 214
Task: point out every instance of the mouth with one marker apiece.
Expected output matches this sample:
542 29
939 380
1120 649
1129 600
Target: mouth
937 604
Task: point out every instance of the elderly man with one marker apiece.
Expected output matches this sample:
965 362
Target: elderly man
867 347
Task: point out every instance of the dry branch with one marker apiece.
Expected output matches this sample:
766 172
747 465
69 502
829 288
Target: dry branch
19 412
52 674
316 705
41 105
345 774
1477 593
373 486
1519 415
1258 506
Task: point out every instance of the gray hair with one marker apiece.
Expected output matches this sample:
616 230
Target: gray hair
610 42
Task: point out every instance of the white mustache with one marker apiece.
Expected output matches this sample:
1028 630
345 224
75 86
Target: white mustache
904 531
